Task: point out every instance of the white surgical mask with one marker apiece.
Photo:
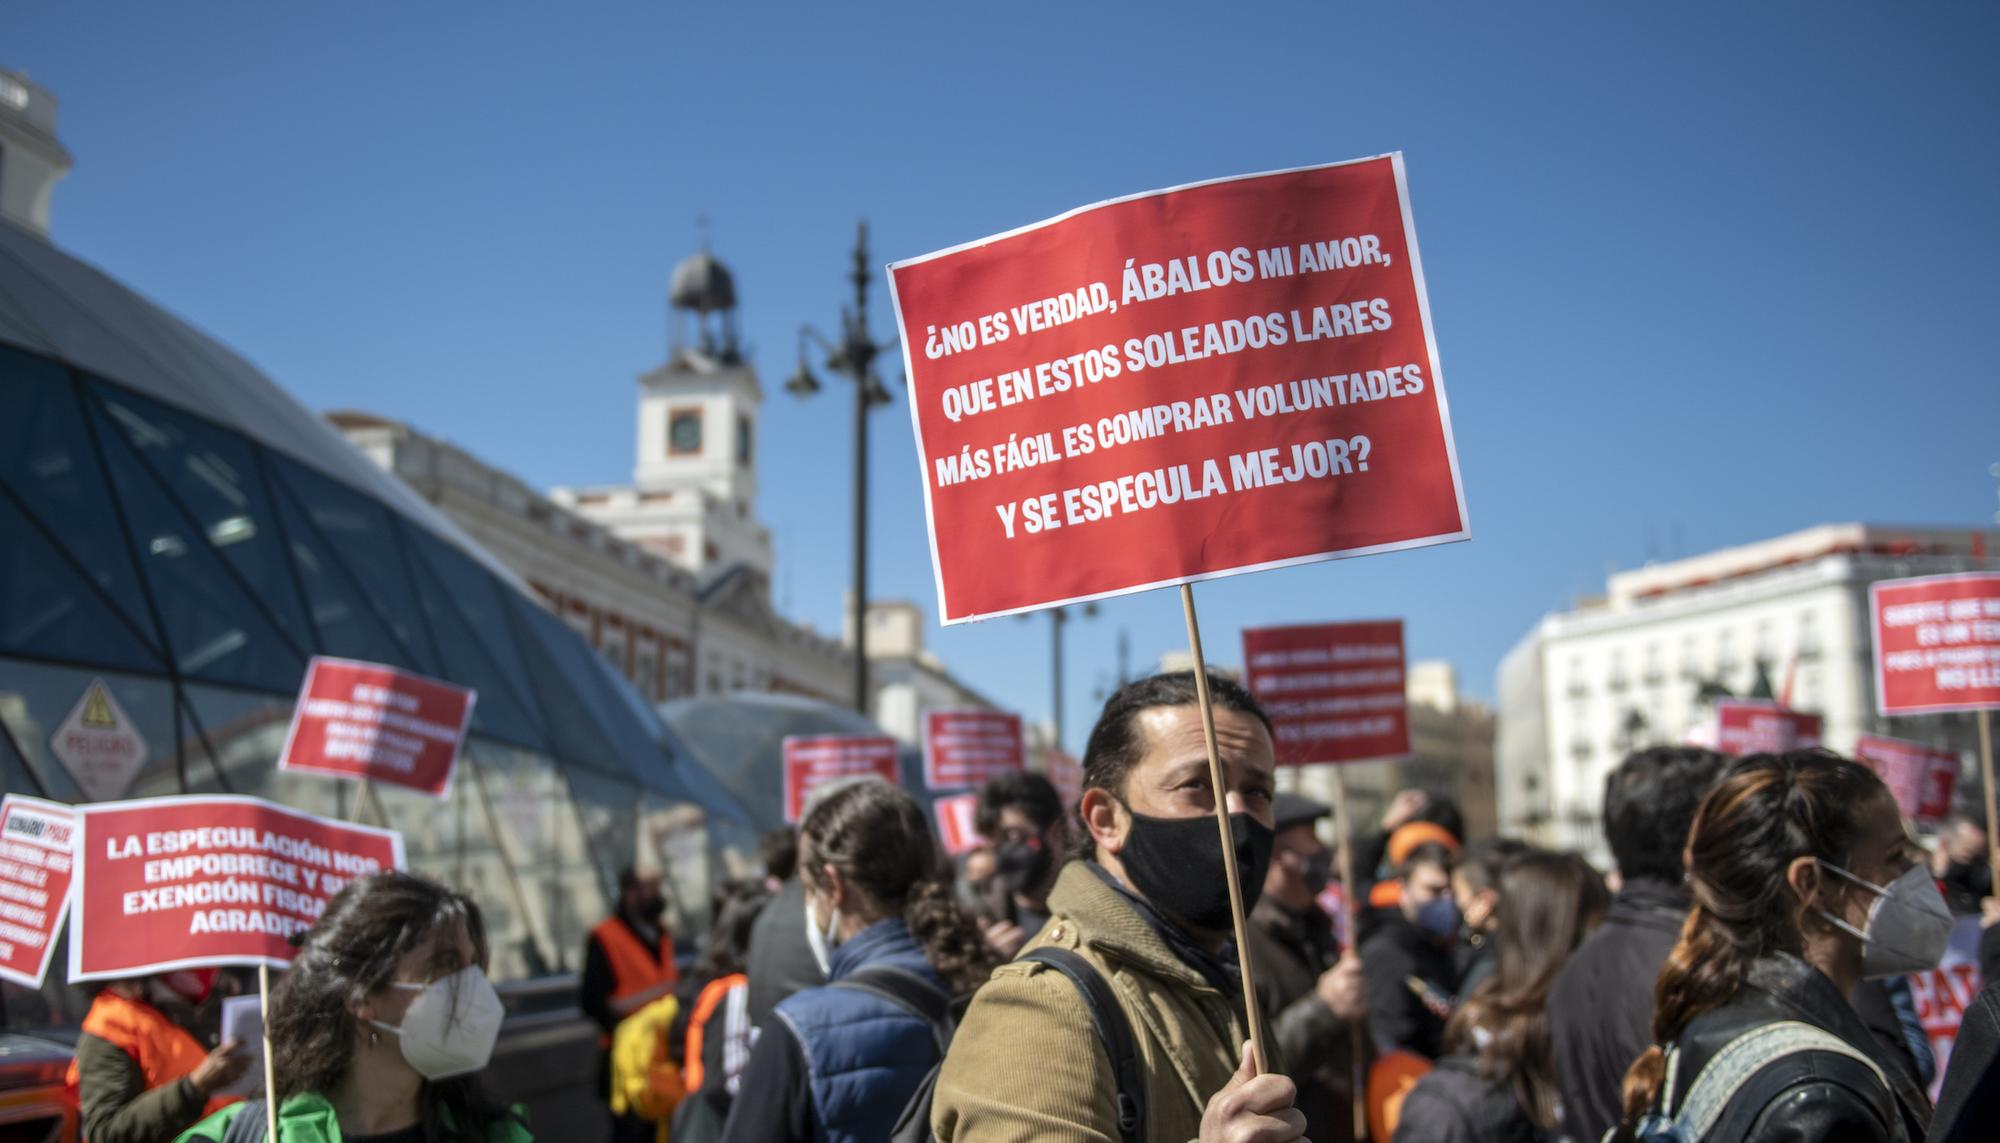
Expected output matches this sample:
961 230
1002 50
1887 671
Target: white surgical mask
449 1029
1908 924
822 940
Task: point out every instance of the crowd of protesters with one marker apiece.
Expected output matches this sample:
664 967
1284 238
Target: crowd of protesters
1743 973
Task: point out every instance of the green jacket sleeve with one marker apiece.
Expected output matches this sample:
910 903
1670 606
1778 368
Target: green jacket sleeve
116 1106
1026 1065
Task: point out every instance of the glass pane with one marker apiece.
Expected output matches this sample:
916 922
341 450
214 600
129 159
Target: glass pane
500 711
478 596
366 542
215 629
214 475
37 699
562 669
539 832
608 810
676 835
48 609
348 625
247 731
47 459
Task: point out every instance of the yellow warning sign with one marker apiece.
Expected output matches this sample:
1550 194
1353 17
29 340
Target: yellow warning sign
97 709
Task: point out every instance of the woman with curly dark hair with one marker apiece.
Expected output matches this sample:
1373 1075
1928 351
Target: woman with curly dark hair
379 1028
840 1062
1804 885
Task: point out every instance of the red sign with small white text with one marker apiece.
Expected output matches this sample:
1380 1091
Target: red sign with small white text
1334 691
367 721
969 747
1757 726
1937 643
812 762
171 883
957 821
1922 777
1189 383
37 851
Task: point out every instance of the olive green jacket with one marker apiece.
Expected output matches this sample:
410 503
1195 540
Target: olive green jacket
1027 1064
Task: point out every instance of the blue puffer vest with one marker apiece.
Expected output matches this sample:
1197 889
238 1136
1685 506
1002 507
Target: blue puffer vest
865 1056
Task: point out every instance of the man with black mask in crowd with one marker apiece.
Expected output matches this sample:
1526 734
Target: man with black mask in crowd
1021 817
1144 914
1601 1008
1312 995
628 963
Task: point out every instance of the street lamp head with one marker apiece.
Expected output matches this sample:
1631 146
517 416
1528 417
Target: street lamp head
802 383
878 394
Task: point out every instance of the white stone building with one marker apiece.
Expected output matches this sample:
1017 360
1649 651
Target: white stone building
1639 666
32 159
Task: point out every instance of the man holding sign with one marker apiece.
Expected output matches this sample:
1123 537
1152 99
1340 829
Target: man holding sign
1147 913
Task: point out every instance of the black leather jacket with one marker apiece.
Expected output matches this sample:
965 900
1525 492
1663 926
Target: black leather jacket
1807 1097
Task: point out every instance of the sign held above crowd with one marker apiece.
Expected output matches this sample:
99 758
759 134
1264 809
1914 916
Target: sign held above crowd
37 859
1190 383
371 722
1334 691
811 761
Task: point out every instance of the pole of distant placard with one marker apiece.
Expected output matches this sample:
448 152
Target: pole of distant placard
1344 854
1986 780
270 1062
1258 1056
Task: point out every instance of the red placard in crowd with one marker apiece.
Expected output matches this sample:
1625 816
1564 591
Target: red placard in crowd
367 721
1218 378
1757 726
967 747
813 761
169 883
37 849
957 816
1922 777
1334 691
1937 643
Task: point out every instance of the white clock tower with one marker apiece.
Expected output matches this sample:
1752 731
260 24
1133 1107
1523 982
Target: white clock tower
693 497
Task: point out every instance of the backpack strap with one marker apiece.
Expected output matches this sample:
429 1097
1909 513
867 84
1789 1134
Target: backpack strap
1741 1059
908 991
1112 1028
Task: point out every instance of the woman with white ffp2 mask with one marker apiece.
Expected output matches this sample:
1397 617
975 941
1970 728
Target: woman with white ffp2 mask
379 1028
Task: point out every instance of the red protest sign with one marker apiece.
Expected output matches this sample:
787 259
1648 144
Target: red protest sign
1757 726
967 747
169 883
37 849
368 721
957 818
812 762
1937 643
1334 691
1179 385
1922 777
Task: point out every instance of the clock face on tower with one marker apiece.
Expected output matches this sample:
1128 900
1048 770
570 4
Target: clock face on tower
684 432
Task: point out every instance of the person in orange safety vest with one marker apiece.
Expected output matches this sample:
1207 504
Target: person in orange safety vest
139 1075
628 963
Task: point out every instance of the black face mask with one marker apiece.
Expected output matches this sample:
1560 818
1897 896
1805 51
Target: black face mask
1319 871
1021 865
650 908
1176 865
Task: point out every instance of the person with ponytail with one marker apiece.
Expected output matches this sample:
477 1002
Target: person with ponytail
1803 885
840 1062
1497 1084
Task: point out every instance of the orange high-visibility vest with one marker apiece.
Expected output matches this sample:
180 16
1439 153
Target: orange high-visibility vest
637 976
705 1005
164 1050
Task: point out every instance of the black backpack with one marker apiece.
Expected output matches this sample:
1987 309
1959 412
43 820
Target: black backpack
916 995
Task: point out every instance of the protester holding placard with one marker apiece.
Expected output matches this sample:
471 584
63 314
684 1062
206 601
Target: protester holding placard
1803 884
1021 816
841 1063
379 1029
140 1075
1144 916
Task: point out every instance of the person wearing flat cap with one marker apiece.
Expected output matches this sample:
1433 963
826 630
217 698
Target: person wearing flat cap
1310 993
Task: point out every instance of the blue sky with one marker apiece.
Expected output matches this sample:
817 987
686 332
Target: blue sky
1700 273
